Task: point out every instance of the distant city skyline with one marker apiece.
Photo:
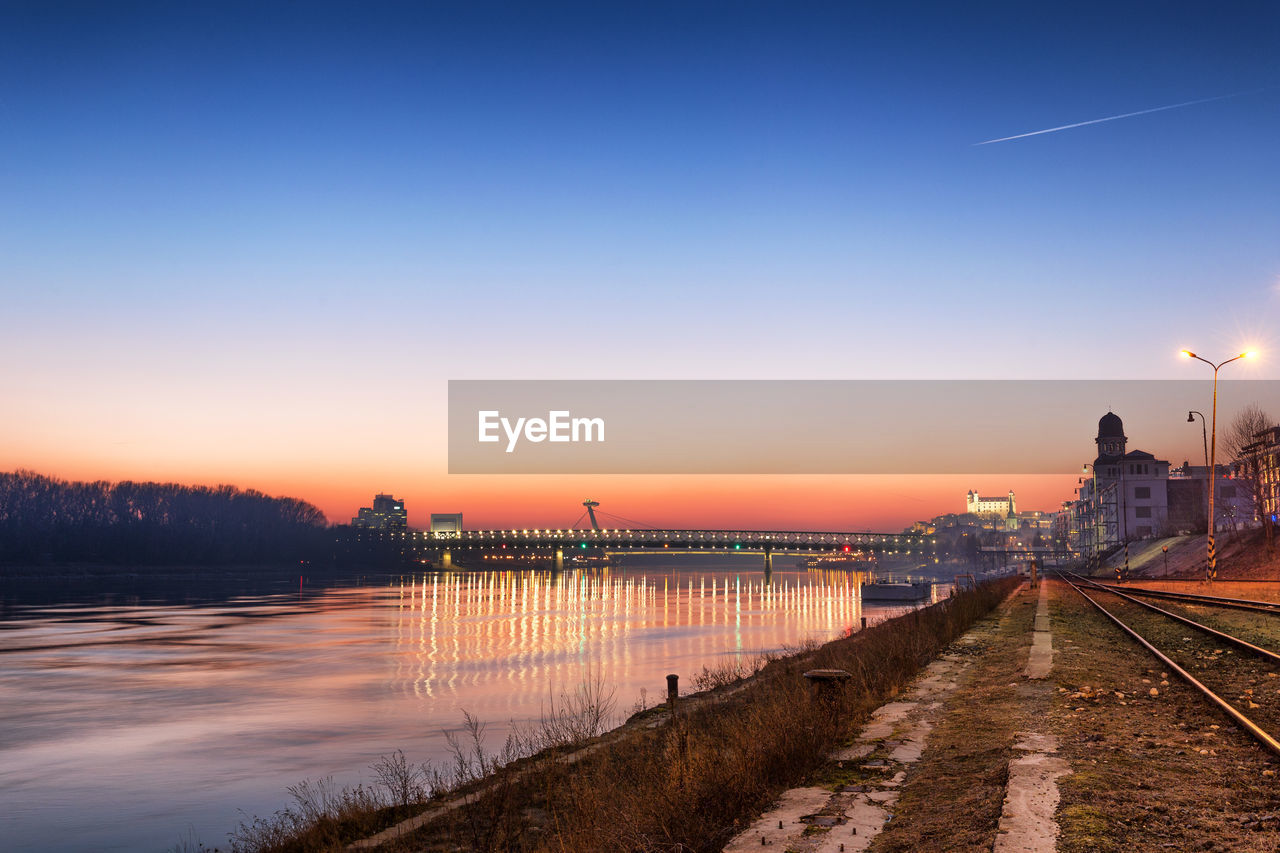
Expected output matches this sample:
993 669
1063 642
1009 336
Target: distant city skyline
250 244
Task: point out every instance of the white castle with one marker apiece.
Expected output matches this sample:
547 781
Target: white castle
979 505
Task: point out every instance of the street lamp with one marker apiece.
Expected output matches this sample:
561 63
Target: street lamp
1203 438
1212 571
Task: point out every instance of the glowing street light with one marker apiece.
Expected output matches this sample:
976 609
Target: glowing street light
1212 571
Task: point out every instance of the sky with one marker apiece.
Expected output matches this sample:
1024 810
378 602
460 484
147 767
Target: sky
251 243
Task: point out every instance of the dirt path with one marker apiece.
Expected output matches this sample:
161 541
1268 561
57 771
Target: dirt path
1027 822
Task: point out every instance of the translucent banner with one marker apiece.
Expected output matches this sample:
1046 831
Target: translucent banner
823 427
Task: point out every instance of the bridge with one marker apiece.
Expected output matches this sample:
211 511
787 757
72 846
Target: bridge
1000 557
557 544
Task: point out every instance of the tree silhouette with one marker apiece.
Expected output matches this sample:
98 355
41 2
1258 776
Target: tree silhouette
43 519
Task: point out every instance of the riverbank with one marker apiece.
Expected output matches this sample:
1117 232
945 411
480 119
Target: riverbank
692 779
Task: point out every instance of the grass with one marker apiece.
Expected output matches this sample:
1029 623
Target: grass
664 782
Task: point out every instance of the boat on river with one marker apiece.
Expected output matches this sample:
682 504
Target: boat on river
883 590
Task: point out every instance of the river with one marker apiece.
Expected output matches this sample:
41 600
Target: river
138 720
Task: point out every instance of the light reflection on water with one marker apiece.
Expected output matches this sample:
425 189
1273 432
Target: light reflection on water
123 727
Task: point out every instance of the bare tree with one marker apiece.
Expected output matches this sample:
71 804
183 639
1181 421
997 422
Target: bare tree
1243 431
1237 441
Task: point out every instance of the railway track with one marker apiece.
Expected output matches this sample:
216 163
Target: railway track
1250 604
1247 681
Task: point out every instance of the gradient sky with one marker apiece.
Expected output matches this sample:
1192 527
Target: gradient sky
249 243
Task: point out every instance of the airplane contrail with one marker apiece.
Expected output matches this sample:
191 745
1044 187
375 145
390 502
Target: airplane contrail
1113 118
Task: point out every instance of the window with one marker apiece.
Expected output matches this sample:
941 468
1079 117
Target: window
1142 512
1142 492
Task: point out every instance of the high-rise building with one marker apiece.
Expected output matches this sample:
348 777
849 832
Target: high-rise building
387 513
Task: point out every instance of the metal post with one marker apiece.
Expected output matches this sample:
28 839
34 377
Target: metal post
673 689
1213 486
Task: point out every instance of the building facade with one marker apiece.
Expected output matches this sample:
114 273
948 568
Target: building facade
1234 504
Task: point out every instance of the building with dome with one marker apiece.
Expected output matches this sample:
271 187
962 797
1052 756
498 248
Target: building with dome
1125 495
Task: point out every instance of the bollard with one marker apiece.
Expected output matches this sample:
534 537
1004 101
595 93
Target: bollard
673 689
864 623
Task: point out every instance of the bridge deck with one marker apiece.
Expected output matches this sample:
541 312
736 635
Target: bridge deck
799 541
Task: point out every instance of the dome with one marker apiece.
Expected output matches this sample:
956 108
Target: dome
1110 426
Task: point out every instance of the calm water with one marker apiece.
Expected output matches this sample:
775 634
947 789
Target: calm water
128 724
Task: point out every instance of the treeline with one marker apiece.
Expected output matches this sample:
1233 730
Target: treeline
43 519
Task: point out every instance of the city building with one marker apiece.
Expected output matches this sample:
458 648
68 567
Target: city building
1233 505
446 522
1127 497
979 505
387 513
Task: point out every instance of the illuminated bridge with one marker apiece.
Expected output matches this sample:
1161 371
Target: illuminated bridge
558 544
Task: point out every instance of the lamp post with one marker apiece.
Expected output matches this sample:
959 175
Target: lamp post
1203 438
1212 571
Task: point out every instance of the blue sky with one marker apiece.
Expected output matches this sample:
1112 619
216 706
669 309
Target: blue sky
217 207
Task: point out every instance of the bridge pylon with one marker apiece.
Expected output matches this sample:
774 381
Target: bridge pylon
591 511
